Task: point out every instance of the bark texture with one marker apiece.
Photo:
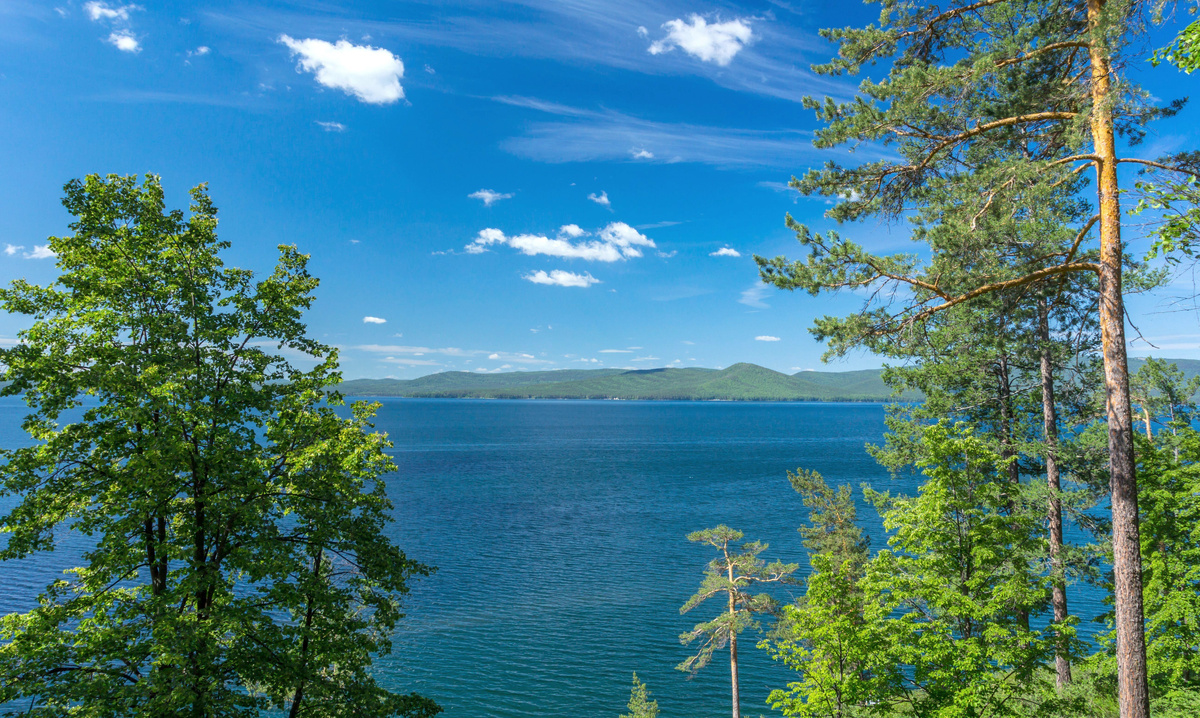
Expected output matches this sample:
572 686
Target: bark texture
1132 688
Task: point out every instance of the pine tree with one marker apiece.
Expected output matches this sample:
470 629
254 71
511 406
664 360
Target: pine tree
984 101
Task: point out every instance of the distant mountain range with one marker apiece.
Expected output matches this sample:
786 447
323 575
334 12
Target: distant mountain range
740 382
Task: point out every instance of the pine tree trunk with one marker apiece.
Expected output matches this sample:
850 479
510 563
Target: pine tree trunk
1132 688
733 667
1058 597
1008 452
733 670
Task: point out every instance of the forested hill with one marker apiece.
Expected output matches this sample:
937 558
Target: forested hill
740 382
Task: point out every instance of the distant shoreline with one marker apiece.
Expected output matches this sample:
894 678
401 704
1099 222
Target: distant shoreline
741 382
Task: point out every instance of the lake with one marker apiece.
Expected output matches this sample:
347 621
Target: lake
558 530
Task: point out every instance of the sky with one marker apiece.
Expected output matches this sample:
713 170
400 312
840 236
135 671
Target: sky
481 185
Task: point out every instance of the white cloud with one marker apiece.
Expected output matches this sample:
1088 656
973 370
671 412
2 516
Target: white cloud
332 127
647 358
371 74
200 51
124 41
615 242
559 278
753 297
717 43
641 154
11 249
725 252
40 251
98 11
374 320
615 351
600 199
766 338
489 197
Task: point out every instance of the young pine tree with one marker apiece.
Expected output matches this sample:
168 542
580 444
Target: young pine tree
730 574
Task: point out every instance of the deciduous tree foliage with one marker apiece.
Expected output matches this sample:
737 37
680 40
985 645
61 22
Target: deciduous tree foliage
238 562
934 625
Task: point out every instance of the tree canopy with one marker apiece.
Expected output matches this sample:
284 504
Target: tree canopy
235 509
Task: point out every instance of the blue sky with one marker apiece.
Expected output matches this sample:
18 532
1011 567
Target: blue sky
534 184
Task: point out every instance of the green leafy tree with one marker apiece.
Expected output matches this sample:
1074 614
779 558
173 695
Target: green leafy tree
731 574
1171 555
934 626
1162 390
842 659
986 102
947 598
823 636
640 705
238 563
1184 50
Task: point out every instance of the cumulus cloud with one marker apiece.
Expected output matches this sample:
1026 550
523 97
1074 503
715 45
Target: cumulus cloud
725 252
98 11
331 126
600 199
40 251
369 73
489 197
374 320
124 41
766 338
199 52
641 154
615 242
11 249
717 43
560 278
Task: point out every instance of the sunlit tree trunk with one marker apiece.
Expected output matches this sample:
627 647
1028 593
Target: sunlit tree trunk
1132 687
733 661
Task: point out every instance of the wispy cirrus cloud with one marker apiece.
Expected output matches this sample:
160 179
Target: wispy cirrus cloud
580 135
753 297
419 352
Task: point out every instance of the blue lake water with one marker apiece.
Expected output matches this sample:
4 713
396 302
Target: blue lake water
558 530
